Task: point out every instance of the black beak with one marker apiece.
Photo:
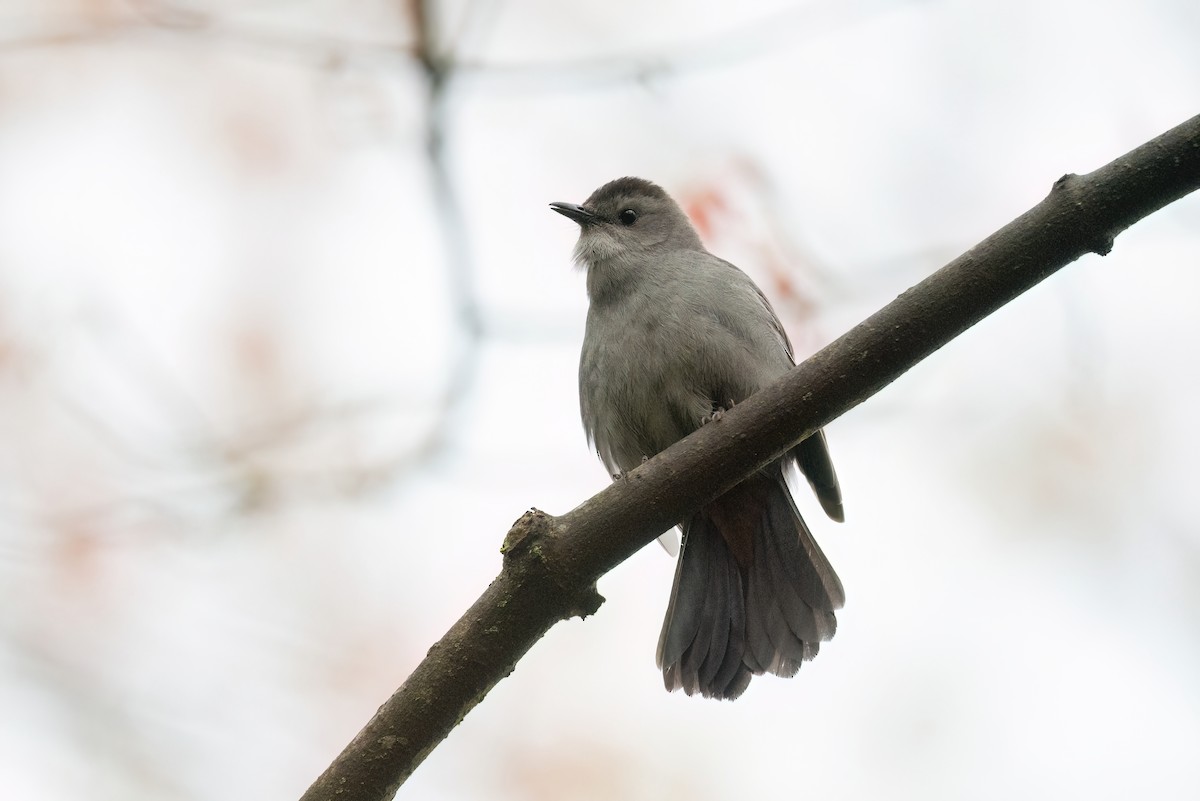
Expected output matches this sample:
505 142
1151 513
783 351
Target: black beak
575 212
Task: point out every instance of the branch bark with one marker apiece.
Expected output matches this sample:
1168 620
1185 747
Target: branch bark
551 564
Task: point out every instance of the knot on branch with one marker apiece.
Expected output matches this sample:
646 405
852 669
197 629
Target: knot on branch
526 553
526 532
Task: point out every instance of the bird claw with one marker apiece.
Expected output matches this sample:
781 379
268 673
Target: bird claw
621 475
716 415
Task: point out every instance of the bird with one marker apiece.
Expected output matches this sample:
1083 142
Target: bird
676 336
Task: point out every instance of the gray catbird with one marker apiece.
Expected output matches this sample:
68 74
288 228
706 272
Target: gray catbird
675 336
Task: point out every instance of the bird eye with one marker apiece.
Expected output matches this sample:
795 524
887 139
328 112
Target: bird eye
627 217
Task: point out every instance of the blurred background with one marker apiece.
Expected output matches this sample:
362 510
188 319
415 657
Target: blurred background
288 339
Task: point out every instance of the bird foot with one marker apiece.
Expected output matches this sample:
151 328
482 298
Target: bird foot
620 475
716 415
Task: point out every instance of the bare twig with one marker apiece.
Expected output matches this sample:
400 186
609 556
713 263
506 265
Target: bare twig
157 23
785 29
551 564
438 65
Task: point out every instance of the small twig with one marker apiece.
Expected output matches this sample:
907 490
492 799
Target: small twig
157 23
770 34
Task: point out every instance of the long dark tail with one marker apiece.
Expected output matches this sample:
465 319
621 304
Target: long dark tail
753 593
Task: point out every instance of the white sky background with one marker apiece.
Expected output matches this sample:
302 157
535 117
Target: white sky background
253 466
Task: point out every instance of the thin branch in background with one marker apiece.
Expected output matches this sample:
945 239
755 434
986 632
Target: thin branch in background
784 30
309 49
787 29
477 20
169 15
223 462
438 68
231 455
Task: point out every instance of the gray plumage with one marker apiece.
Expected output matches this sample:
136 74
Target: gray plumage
674 335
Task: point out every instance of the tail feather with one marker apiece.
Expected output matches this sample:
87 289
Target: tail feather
780 651
688 594
700 648
759 654
724 617
781 591
734 675
735 611
707 648
808 569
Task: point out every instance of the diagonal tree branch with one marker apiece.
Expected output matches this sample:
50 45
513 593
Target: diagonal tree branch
551 564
